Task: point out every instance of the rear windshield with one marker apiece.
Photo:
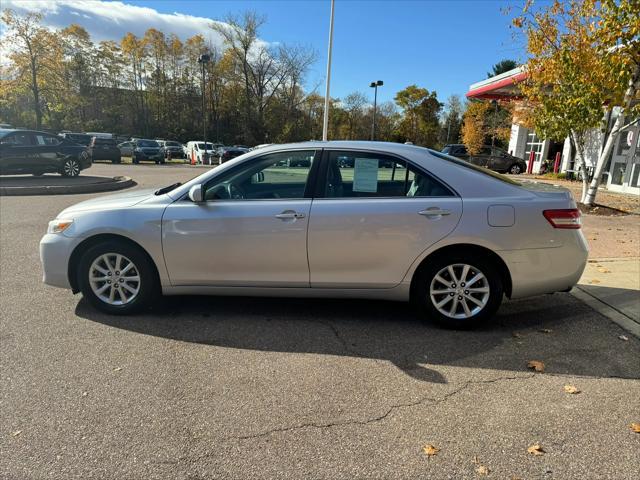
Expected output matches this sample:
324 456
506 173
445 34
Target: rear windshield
462 163
104 141
147 143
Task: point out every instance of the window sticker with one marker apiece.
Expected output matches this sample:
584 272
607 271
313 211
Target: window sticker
365 175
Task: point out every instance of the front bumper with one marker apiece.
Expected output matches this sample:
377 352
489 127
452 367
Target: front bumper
148 156
537 271
55 251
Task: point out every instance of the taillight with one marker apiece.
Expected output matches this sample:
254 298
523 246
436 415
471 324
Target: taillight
563 218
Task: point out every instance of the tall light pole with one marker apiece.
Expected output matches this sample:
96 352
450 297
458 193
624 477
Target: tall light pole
325 123
375 85
203 60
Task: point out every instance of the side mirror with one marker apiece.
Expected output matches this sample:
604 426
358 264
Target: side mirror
195 194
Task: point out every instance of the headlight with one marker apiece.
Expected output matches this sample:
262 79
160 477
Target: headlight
59 225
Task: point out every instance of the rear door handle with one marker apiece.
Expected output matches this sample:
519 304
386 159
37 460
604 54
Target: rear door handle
289 215
434 212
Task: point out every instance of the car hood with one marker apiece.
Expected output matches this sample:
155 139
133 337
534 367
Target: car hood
110 202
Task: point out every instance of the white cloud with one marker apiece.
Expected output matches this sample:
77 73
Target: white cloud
112 20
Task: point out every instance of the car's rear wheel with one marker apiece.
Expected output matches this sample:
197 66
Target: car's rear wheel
70 168
117 278
458 291
515 169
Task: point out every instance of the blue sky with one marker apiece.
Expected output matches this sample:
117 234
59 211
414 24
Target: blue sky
440 45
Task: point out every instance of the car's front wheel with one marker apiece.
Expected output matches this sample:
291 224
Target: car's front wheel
117 278
515 169
70 168
458 291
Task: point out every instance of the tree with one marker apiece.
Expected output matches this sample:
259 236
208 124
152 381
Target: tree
451 123
501 67
584 60
474 128
420 115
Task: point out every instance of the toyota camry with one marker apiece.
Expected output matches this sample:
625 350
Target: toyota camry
325 219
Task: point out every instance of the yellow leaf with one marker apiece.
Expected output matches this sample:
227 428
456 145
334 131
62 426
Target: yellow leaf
624 338
117 369
536 449
635 427
571 389
430 450
18 432
482 470
604 270
595 280
536 365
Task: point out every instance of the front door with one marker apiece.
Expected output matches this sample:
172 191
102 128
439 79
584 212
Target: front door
251 230
377 214
18 154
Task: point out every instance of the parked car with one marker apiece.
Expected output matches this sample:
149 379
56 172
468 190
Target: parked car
227 153
146 151
452 237
30 151
104 149
79 138
489 157
196 149
126 148
262 145
172 148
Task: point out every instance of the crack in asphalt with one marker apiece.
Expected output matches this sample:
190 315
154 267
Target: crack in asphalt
390 410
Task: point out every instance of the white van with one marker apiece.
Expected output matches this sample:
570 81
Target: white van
195 150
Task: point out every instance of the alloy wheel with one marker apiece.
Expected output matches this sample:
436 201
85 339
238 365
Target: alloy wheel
515 169
114 279
71 168
459 291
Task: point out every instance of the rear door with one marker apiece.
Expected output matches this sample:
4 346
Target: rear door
48 149
374 214
19 154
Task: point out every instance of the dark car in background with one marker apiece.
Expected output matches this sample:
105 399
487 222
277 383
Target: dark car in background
227 153
171 149
146 151
104 149
30 151
79 138
493 158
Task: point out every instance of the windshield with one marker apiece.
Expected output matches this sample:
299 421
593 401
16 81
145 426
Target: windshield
201 146
147 143
446 149
171 144
470 166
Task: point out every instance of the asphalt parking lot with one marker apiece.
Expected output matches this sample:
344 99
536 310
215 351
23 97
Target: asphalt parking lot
209 388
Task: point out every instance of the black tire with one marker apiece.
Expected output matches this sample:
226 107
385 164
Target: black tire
135 160
70 168
422 298
148 284
116 160
515 169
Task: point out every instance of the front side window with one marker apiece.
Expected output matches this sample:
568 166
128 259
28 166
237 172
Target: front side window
275 176
46 140
364 174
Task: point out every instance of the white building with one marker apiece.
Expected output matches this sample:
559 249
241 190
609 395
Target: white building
622 171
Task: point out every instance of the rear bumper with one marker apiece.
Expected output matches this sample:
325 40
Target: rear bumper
546 270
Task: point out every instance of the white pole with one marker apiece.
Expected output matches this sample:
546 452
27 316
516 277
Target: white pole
325 125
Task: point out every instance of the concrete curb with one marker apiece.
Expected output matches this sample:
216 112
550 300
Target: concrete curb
608 311
116 183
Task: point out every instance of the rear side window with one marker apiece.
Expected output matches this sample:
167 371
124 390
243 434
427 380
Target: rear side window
18 139
484 171
103 141
46 140
365 174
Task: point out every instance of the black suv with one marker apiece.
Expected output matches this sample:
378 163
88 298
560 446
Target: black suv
104 149
29 151
489 157
146 150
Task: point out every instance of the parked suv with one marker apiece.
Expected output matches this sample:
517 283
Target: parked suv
79 138
171 147
104 149
29 151
146 150
489 157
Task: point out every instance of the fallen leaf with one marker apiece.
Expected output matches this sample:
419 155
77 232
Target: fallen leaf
536 449
117 369
84 394
624 338
482 470
546 330
430 450
18 432
571 389
536 365
604 270
635 427
595 280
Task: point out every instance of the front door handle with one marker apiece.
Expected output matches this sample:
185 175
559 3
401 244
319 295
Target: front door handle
288 215
434 212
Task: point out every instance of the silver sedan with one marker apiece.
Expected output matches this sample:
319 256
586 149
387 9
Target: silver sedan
325 219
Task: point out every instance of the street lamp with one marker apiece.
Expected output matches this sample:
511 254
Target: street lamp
375 86
203 60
